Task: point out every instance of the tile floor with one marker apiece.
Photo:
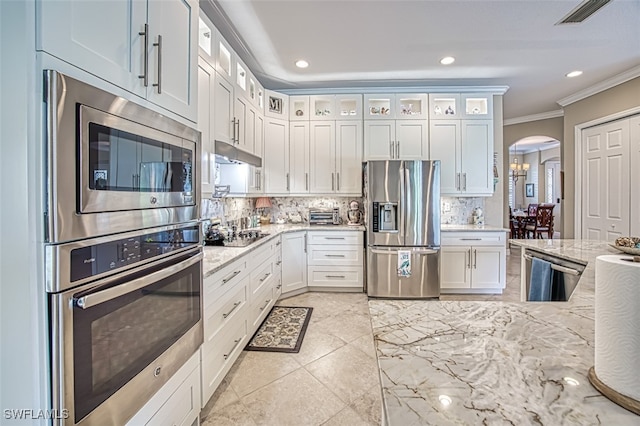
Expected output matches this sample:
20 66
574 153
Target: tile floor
333 380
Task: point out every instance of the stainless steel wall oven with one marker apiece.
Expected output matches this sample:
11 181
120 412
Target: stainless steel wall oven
123 251
114 166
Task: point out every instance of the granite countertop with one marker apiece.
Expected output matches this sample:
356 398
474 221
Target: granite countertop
216 257
469 227
495 362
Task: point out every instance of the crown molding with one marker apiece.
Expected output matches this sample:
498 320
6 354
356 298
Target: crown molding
534 117
496 90
601 86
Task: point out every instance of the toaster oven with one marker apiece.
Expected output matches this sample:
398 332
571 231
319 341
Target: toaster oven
324 216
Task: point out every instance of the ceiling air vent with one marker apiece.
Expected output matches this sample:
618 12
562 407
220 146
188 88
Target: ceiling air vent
583 11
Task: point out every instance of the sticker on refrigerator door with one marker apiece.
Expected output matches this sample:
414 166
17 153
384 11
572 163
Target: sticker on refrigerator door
404 263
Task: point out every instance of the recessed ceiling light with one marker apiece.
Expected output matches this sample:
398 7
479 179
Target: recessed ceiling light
447 60
445 400
302 63
574 73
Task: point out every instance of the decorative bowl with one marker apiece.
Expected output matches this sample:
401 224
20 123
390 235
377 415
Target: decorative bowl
628 250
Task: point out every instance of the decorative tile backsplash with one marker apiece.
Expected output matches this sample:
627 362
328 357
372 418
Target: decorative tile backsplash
461 209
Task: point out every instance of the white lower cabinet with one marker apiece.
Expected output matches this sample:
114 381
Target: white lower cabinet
335 260
294 261
177 403
473 262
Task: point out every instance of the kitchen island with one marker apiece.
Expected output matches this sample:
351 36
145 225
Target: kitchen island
469 362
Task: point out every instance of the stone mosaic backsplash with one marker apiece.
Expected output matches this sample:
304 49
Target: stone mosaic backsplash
460 209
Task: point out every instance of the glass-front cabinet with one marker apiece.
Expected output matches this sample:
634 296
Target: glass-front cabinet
444 106
411 106
349 107
206 40
299 108
379 106
223 59
323 107
477 105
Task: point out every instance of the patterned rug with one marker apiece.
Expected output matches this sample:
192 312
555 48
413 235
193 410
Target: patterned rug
282 330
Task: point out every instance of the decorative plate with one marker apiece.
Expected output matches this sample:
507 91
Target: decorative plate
628 250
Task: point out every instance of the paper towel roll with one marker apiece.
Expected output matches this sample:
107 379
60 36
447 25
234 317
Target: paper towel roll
617 354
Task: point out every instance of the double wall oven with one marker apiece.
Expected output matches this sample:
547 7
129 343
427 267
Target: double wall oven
123 252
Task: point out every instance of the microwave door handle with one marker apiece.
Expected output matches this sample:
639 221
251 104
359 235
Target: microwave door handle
102 296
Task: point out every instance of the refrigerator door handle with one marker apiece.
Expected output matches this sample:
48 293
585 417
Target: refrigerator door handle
402 202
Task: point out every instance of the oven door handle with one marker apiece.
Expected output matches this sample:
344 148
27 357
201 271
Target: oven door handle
102 296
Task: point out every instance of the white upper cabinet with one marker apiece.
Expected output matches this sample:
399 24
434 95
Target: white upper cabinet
323 157
224 58
379 107
276 156
411 106
206 40
444 106
379 139
477 106
299 108
206 120
348 107
322 107
298 174
146 48
241 80
276 105
396 140
224 107
348 155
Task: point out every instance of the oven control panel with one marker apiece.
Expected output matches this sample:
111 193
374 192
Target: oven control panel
99 258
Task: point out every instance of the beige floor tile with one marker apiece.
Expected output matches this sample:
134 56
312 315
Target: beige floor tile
235 414
253 370
347 325
366 345
369 405
296 399
316 344
223 396
347 371
347 417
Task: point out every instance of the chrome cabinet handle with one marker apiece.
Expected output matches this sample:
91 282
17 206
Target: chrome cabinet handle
159 83
237 133
145 65
458 181
278 286
464 176
391 149
475 259
278 243
470 239
468 261
265 277
306 181
266 304
338 181
305 243
335 276
235 305
334 238
278 263
397 149
333 182
230 277
288 181
226 356
334 255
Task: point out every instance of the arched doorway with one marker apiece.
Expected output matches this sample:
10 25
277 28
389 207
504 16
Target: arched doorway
534 175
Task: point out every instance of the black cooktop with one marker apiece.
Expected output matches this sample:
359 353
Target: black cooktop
241 239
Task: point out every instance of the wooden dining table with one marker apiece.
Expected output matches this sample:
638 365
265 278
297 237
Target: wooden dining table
521 217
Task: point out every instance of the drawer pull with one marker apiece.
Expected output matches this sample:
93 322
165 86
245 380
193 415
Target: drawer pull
230 277
235 305
278 286
334 255
335 276
279 262
470 239
278 243
226 356
334 238
265 277
265 305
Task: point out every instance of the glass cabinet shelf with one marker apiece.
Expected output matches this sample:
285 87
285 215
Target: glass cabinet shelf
411 106
322 107
224 60
205 37
379 106
298 108
241 77
477 105
444 106
349 107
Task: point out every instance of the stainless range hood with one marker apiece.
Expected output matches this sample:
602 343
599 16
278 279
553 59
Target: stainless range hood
231 154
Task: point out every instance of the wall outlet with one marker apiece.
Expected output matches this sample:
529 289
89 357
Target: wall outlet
446 206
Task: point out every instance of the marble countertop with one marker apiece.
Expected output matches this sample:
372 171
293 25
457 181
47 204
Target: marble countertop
495 362
469 227
216 257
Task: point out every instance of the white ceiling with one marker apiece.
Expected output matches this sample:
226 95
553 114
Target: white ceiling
355 43
533 143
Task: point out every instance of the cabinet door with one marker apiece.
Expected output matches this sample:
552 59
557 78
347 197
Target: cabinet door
444 106
298 157
173 58
276 156
455 269
411 140
412 106
379 106
444 145
322 107
258 143
206 85
477 106
240 115
477 157
294 261
323 154
487 267
299 108
380 138
99 37
224 100
349 157
349 107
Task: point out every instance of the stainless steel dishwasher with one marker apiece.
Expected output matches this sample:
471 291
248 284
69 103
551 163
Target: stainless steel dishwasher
571 271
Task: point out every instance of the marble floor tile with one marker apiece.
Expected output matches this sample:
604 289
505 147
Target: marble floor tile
347 372
369 405
295 399
253 370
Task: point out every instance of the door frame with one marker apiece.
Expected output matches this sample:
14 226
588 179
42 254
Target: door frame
577 132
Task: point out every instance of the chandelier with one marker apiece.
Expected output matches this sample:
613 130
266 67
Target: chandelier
518 169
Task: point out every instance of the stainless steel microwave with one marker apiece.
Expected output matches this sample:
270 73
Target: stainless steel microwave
113 165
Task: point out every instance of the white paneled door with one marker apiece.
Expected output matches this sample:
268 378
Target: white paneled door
634 132
606 186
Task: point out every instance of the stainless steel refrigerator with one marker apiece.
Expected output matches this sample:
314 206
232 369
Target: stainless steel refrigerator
403 229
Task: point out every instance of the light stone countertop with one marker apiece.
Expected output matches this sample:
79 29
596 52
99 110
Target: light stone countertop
217 257
497 362
473 228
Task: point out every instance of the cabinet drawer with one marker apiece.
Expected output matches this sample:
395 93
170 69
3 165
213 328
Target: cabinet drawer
261 277
473 238
348 276
183 406
217 359
336 237
223 280
260 307
265 251
226 310
335 255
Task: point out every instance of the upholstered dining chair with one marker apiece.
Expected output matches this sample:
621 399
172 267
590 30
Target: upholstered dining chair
543 222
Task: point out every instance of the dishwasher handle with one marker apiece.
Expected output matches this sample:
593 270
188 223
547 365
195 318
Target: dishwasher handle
558 268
